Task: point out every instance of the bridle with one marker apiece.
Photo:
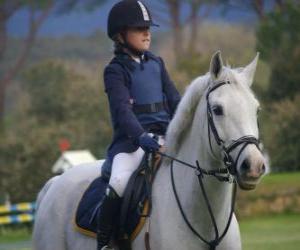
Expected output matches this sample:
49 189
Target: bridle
222 174
226 150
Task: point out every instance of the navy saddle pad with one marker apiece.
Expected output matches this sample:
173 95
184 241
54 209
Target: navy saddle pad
86 214
90 203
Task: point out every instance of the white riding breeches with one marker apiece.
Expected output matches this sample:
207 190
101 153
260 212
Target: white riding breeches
123 166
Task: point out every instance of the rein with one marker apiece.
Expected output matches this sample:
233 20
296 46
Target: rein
213 243
218 173
222 174
201 173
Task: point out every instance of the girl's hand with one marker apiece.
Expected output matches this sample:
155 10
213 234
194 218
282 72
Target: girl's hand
147 143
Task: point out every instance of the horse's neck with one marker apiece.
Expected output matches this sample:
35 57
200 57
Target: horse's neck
192 149
188 187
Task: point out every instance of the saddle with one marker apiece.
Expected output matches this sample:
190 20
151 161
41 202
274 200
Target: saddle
135 207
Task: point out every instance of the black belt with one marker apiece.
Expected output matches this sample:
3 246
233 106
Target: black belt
149 108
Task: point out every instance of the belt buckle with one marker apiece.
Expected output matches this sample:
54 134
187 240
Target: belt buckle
152 107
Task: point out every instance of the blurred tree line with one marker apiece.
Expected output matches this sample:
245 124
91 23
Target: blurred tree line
38 13
62 98
278 40
57 103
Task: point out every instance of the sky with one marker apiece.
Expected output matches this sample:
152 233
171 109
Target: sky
85 23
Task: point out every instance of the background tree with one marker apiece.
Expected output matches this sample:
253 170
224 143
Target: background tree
38 12
185 30
198 10
7 9
260 7
185 45
47 85
66 105
278 40
282 134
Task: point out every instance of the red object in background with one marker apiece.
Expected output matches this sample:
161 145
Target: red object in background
64 145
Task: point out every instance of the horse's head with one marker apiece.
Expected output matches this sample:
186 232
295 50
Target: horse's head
232 120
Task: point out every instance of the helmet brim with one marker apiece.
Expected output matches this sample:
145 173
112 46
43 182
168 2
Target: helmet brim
143 24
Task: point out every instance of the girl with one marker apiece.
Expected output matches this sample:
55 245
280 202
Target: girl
142 101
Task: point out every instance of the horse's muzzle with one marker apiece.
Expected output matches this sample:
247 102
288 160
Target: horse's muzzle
250 171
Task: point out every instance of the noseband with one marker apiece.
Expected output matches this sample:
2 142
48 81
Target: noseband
229 162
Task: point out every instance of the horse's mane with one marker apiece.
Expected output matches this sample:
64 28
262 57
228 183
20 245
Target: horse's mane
187 107
185 112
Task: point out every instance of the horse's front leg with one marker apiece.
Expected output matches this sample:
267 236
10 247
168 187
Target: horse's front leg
232 240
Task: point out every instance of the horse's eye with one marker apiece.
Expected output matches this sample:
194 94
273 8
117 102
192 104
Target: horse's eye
218 110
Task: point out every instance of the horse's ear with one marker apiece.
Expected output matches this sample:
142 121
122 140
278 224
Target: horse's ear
249 70
216 65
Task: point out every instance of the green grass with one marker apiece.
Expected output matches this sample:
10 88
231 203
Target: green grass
277 193
280 232
274 232
8 235
277 183
282 180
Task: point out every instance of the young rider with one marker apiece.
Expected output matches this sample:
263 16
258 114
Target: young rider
142 101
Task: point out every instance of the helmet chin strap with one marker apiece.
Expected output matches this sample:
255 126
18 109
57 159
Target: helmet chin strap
130 48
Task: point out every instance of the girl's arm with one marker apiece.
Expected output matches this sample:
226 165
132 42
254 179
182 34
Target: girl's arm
173 96
119 101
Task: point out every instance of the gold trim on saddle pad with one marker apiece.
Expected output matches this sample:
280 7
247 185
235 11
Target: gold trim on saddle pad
134 234
83 231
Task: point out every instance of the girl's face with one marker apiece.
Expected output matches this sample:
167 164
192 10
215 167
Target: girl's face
139 38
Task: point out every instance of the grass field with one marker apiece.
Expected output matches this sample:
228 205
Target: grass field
276 194
273 232
276 183
280 232
8 235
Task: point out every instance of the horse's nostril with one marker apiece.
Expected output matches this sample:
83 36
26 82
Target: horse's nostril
245 165
263 168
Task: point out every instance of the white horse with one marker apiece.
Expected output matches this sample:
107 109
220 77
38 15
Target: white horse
190 137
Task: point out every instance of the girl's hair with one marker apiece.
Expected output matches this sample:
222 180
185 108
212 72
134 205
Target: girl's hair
118 48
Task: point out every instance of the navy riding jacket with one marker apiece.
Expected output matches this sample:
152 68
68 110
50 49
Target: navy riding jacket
126 126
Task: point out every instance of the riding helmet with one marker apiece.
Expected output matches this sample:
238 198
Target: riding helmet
126 14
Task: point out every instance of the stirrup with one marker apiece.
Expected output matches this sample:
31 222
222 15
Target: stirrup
106 248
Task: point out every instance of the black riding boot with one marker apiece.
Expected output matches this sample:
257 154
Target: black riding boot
107 217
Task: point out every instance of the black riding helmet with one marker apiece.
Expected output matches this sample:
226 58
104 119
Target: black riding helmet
128 13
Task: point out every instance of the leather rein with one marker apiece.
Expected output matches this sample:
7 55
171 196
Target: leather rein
226 174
